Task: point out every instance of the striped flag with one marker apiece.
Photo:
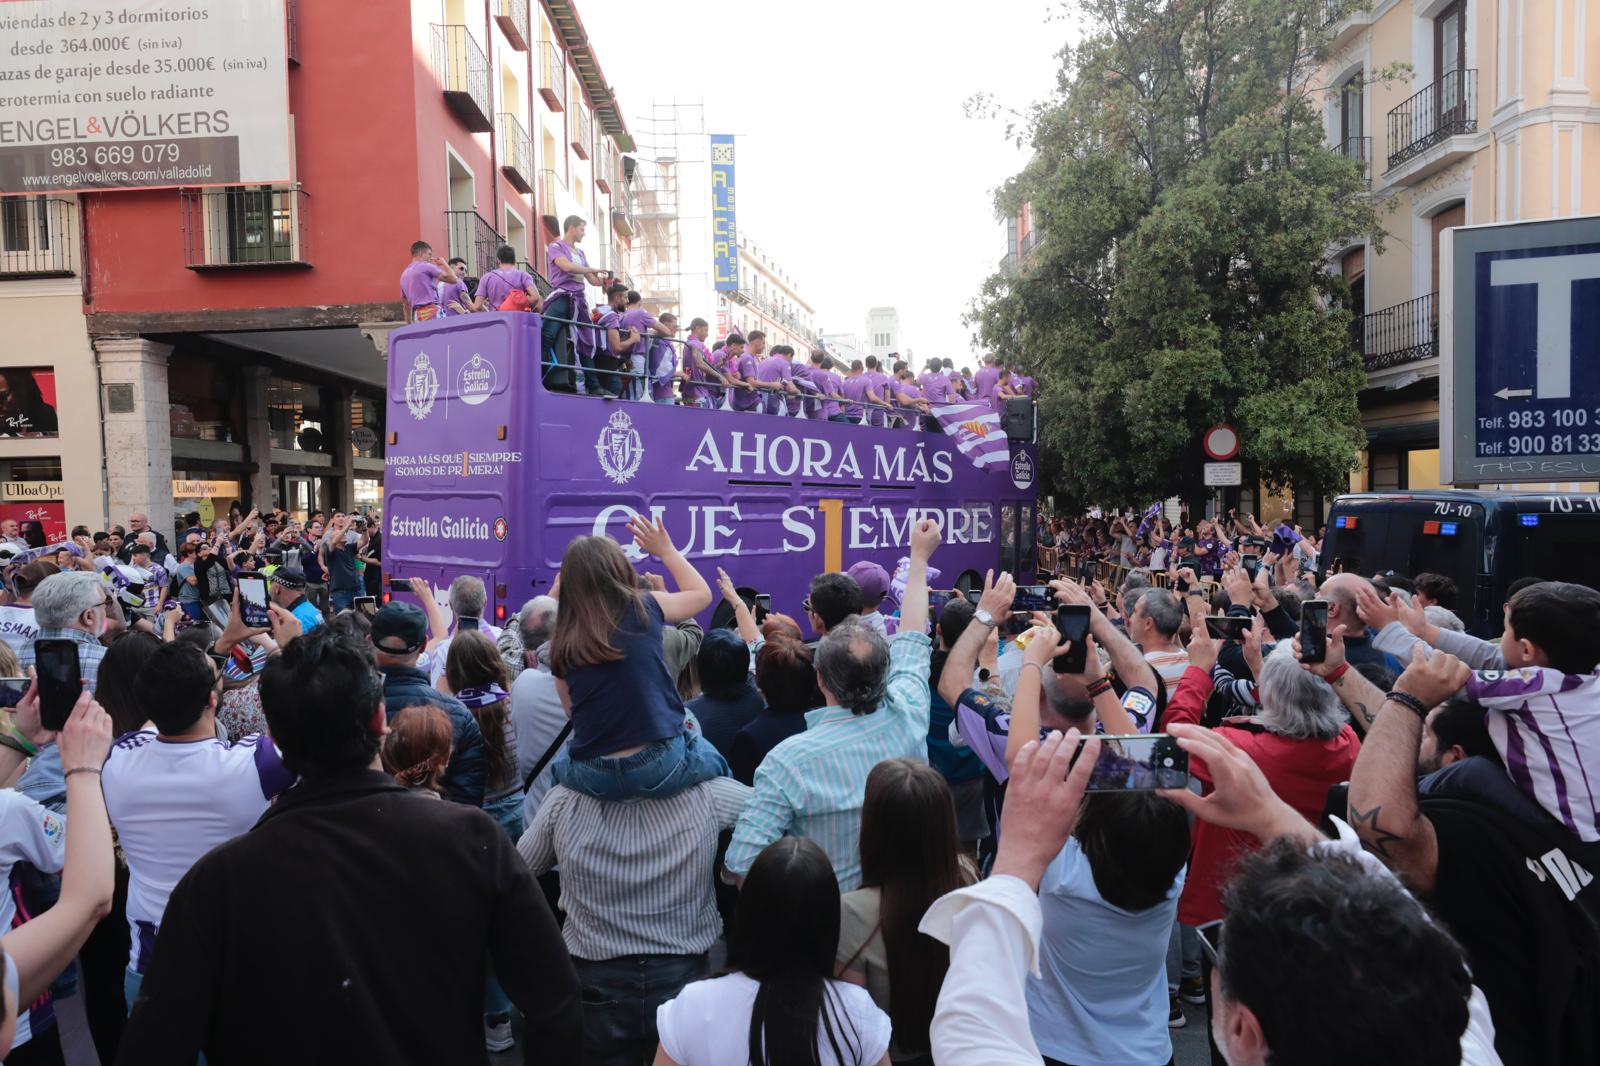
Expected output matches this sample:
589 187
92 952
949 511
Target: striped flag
975 430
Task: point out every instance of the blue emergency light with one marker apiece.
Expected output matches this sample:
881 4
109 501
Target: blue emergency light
1447 529
1529 519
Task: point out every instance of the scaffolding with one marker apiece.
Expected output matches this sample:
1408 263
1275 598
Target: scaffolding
670 256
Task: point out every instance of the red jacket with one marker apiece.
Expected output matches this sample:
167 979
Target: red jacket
1299 771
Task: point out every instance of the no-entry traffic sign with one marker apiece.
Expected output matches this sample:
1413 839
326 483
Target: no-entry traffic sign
1221 442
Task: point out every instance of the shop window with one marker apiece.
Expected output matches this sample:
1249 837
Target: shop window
206 399
295 415
366 427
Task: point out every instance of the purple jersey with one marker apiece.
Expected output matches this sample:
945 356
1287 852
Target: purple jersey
662 366
419 283
829 383
935 388
560 280
496 285
877 416
958 384
639 320
747 399
984 385
855 390
611 319
1546 726
454 292
693 392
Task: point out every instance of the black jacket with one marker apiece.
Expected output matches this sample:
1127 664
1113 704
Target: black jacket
351 925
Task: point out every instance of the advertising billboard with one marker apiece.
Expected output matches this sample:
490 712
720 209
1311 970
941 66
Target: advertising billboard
142 94
1519 392
724 223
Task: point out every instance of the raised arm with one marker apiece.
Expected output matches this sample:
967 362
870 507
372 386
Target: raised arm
1383 786
925 538
741 613
693 595
956 677
1360 697
1126 659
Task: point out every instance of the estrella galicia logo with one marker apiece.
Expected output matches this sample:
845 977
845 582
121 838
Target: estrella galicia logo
501 528
422 385
620 449
477 380
1022 470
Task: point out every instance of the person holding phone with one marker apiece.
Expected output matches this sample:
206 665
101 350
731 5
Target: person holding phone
69 606
288 590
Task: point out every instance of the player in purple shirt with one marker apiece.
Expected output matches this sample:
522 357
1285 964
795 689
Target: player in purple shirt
935 386
742 368
619 341
568 270
983 382
878 383
857 387
908 397
1002 392
958 384
662 362
775 370
1021 383
833 389
642 322
419 282
455 297
698 368
497 284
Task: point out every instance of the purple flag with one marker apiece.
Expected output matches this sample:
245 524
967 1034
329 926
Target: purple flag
1147 521
975 430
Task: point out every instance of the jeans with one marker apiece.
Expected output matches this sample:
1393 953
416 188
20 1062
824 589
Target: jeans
664 768
1183 954
556 340
317 594
193 609
774 404
844 418
620 997
343 599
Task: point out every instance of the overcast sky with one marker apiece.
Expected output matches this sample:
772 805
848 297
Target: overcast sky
857 168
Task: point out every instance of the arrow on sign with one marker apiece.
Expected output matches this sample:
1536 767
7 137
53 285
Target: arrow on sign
1508 393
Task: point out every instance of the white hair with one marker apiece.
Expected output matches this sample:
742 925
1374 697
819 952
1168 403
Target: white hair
1294 701
61 598
1444 618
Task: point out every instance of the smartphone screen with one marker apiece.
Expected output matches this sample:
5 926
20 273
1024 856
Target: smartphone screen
1226 627
1072 621
253 601
367 605
399 584
1031 598
1252 565
1138 763
468 622
12 689
1313 631
974 595
764 602
56 665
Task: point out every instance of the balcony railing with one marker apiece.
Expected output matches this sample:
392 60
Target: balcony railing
512 16
1030 240
516 153
581 133
623 219
1008 263
605 165
547 192
552 76
38 237
1447 108
1404 333
464 73
473 239
291 17
241 226
1358 149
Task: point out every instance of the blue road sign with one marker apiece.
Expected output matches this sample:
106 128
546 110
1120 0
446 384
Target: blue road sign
1520 346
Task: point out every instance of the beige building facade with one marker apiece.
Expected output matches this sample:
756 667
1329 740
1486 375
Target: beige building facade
1495 123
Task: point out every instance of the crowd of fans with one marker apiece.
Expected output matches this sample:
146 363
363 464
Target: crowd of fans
619 349
862 833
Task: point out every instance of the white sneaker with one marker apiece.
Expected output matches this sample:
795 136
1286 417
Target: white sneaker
497 1035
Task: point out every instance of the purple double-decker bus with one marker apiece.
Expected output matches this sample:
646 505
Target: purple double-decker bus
487 473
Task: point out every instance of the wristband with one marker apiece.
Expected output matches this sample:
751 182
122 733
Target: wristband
1037 667
82 770
1408 700
13 738
1098 688
1339 672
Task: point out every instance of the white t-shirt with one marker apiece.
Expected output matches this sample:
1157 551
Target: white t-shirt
708 1024
28 833
18 627
173 801
441 654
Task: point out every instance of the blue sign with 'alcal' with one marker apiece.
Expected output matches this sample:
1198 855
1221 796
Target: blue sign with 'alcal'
1520 347
724 222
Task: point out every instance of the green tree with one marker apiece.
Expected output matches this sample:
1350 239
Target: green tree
1188 204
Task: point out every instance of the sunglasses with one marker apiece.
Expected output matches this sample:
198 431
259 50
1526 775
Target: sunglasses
805 604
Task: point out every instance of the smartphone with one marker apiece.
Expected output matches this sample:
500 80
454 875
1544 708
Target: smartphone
399 584
253 601
1226 626
56 665
12 689
1252 565
1137 763
1031 598
974 595
1072 621
1313 631
764 602
468 622
367 605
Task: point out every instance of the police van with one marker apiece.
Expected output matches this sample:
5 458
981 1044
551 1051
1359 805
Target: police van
1483 541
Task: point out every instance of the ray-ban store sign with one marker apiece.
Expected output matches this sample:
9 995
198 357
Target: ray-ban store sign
15 491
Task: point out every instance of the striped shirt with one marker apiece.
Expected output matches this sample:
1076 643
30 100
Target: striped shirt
635 874
812 784
1548 733
1169 664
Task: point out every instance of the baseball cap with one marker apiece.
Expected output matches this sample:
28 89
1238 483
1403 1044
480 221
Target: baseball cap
289 578
874 582
402 621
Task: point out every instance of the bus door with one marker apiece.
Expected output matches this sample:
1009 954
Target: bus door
1008 538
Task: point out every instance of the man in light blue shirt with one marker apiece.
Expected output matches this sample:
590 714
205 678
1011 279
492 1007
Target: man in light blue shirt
1109 900
288 590
813 783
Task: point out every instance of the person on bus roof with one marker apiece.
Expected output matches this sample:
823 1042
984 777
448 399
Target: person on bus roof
419 282
662 362
620 341
505 279
568 270
742 367
877 393
775 371
699 369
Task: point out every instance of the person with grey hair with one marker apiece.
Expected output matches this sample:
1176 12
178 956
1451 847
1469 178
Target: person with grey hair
70 605
1444 618
536 711
1153 622
876 707
534 623
468 600
1301 740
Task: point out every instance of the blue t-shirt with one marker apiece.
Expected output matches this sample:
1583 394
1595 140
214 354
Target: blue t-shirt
1101 995
306 611
629 702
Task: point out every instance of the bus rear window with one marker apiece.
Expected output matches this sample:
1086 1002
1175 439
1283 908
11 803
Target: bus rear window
1407 542
1559 547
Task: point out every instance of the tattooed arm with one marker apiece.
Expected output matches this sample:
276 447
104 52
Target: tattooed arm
1383 787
